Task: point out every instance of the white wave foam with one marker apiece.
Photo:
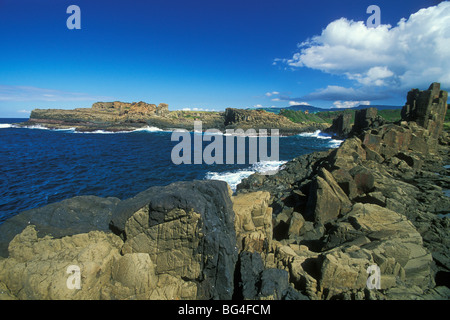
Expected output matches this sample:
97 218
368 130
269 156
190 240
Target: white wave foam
148 129
145 129
333 143
74 130
36 126
101 132
317 134
66 129
233 178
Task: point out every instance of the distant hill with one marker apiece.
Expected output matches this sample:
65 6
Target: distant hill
312 109
379 107
303 108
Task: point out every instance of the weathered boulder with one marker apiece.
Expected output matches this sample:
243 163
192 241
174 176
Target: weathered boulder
323 203
349 154
341 272
37 268
393 237
187 228
366 119
253 220
47 268
363 178
326 198
68 217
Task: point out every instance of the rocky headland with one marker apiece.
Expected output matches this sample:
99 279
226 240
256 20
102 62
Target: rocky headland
311 231
121 116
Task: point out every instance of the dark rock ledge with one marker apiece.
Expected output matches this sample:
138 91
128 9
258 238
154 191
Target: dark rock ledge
308 232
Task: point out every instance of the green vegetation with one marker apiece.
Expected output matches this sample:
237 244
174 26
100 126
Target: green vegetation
301 117
447 122
329 116
391 115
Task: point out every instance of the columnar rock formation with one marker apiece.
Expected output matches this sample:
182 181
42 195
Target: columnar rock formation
427 108
311 231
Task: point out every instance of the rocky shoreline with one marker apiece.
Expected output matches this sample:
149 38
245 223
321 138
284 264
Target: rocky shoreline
120 116
311 231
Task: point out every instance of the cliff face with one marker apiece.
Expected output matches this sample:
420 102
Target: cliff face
261 119
120 116
102 115
141 109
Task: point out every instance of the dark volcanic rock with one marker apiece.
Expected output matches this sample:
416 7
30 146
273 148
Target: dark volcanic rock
187 228
341 126
366 119
391 177
250 267
68 217
326 199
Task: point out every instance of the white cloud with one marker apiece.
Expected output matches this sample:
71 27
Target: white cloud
414 53
24 111
273 93
350 104
334 93
195 109
27 93
295 103
376 76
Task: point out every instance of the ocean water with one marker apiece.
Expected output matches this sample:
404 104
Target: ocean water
39 166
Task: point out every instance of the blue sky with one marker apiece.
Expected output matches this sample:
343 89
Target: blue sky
214 54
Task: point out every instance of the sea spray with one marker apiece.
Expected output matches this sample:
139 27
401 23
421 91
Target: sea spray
233 178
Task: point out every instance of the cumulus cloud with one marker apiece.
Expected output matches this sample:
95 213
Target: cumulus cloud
295 103
28 93
413 53
273 93
350 104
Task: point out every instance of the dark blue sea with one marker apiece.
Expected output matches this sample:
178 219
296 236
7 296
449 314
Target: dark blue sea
39 166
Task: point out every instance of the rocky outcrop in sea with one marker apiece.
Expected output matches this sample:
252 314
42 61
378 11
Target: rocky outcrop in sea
121 116
312 231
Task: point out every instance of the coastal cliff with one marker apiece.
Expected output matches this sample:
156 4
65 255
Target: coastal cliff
120 116
310 231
